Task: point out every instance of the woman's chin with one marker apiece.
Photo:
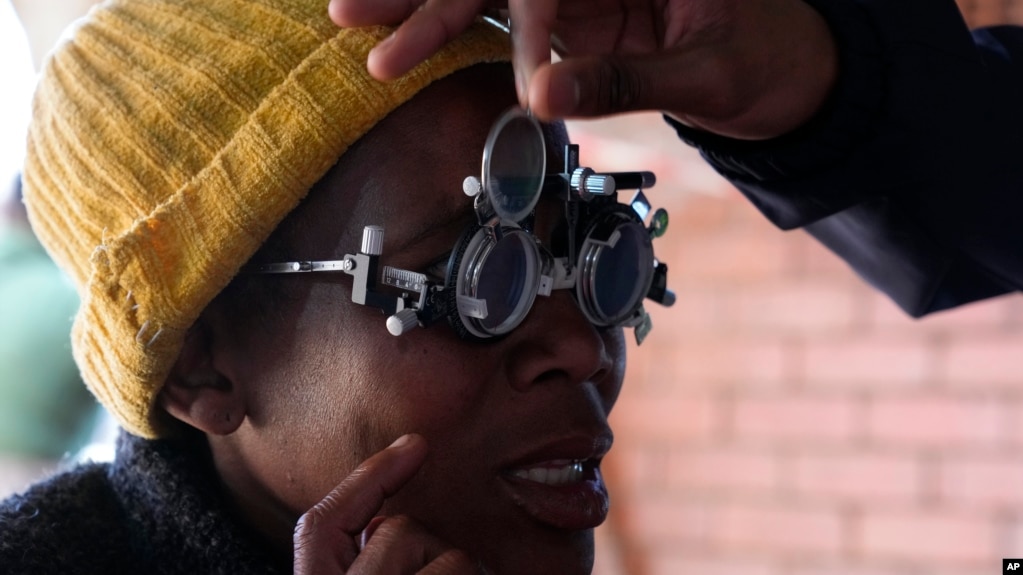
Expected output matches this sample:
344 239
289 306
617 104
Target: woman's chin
561 553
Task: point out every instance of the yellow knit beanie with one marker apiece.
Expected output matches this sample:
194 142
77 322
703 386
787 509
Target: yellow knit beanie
169 138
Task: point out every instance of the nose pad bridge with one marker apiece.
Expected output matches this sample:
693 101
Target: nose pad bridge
558 299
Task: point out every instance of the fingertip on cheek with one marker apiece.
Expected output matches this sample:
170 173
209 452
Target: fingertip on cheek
407 442
401 441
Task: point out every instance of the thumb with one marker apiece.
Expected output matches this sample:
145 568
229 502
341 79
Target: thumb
586 87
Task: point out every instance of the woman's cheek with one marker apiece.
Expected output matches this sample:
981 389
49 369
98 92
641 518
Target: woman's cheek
435 389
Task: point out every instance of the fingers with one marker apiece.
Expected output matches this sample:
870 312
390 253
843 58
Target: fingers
353 13
326 537
427 25
426 30
401 545
532 24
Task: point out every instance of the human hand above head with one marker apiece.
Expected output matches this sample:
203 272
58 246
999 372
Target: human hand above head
750 69
343 534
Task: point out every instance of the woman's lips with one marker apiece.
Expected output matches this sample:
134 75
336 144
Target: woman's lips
552 472
567 494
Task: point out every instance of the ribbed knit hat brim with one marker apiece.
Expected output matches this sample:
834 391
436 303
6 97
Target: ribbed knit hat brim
169 138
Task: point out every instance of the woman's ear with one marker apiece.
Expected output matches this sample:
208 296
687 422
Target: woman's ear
196 393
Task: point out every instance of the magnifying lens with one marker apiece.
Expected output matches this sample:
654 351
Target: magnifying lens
514 165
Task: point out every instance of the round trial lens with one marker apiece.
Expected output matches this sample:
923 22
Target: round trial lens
514 165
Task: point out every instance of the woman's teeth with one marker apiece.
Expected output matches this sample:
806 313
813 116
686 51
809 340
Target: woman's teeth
552 473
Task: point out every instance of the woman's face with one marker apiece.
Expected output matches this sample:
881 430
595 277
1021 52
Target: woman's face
505 421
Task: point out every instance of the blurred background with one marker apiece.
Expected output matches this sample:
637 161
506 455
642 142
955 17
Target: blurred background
782 418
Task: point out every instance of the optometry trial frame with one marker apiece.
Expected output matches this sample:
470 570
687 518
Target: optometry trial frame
604 253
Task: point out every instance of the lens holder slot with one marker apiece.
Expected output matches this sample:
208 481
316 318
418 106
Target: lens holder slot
496 281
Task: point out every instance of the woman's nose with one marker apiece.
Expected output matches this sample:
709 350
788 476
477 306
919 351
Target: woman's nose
557 342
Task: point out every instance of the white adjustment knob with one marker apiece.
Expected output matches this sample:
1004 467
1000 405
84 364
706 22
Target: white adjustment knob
372 240
578 180
472 186
599 185
402 321
588 184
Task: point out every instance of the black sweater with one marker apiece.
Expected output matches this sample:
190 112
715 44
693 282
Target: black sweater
158 508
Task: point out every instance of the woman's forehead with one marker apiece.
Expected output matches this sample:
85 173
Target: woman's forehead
426 193
410 166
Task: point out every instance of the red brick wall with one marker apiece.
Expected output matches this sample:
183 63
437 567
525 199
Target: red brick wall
785 419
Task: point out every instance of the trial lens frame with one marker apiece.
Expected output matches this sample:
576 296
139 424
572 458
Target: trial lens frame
585 193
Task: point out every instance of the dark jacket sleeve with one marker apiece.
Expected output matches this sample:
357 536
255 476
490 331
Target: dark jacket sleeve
913 171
